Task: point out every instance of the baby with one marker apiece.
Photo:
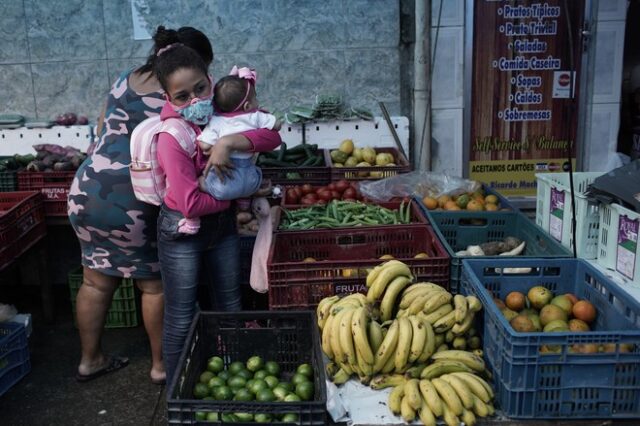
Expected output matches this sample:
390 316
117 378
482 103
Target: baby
236 103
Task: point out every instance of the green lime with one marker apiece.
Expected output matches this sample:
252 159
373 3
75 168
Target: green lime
200 390
272 368
255 363
286 385
243 395
290 418
235 368
292 397
215 382
201 415
260 374
262 418
265 395
223 393
229 418
258 385
245 373
305 391
244 417
224 375
215 364
208 398
250 383
206 376
237 382
280 392
305 370
299 378
213 417
272 381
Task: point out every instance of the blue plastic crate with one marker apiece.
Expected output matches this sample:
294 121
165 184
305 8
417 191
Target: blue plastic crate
457 230
534 384
14 355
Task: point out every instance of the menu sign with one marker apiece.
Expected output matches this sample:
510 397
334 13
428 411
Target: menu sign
522 122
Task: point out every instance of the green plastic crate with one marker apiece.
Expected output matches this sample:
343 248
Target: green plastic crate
122 313
8 181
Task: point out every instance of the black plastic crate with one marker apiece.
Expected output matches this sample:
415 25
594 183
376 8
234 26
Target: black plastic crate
289 338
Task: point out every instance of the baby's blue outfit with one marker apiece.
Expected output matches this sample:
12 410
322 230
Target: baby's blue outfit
244 181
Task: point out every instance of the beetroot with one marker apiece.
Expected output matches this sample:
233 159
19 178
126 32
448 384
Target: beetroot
82 120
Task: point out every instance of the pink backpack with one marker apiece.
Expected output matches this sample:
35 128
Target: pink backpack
147 177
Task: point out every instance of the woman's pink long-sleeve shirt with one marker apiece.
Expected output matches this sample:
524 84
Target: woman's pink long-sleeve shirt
182 171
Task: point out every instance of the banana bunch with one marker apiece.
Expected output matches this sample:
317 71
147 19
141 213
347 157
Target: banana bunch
454 397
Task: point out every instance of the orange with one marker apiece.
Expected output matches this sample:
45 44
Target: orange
430 203
474 205
491 199
584 311
451 205
443 199
490 207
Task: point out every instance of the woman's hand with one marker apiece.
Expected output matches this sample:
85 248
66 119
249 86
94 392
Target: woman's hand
219 159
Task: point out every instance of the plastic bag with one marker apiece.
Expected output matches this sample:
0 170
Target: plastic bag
418 183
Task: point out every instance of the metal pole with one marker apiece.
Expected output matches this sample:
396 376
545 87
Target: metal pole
422 86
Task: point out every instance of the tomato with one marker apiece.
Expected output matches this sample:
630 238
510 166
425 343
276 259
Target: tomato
312 196
349 193
341 185
321 202
324 194
335 195
306 189
291 197
307 201
331 186
298 191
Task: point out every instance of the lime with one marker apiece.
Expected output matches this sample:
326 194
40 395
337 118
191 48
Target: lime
262 418
290 418
258 385
265 395
213 417
201 415
245 373
236 382
286 385
224 375
200 390
260 374
272 381
215 382
235 367
305 370
280 392
299 378
215 364
208 398
244 417
272 368
255 363
292 397
223 393
250 383
305 391
243 395
229 418
206 376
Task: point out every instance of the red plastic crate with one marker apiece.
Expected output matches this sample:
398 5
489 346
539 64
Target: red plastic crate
54 187
351 173
21 223
342 259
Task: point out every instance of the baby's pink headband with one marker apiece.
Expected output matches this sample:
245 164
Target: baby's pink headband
246 74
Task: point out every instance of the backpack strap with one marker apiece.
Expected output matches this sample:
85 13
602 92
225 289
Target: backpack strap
182 132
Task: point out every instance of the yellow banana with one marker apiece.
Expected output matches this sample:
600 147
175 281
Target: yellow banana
334 336
374 333
389 272
448 336
373 274
326 338
442 347
490 409
417 304
467 358
344 305
440 298
445 323
437 314
418 339
359 325
346 338
449 417
395 398
390 295
323 310
429 344
426 416
449 396
460 328
468 418
407 412
365 367
412 393
431 396
331 368
389 366
474 303
340 377
478 385
404 343
416 290
414 371
387 348
439 368
439 339
480 408
401 313
461 388
346 367
461 307
382 381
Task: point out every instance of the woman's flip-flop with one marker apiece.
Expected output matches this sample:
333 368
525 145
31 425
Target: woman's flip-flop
115 364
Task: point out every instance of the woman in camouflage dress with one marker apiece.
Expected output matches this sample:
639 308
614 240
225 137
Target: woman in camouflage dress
117 233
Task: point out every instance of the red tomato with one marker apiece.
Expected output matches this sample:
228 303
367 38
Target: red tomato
291 197
307 189
349 193
335 195
331 186
321 202
312 196
307 201
341 185
298 191
324 194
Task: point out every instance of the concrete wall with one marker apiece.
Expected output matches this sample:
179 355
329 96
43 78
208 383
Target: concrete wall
59 55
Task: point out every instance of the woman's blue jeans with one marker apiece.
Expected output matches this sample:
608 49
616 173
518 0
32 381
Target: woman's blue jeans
214 250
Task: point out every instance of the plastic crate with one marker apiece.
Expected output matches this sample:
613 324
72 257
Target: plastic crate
534 384
342 258
8 181
251 299
289 338
123 311
54 187
319 175
14 355
618 247
553 211
21 223
352 173
458 230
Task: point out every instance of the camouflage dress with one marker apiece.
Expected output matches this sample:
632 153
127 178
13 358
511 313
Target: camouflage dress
117 233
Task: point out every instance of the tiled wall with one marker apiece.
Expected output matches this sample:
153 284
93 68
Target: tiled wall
59 55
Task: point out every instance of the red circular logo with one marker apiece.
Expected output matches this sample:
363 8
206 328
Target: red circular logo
564 79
